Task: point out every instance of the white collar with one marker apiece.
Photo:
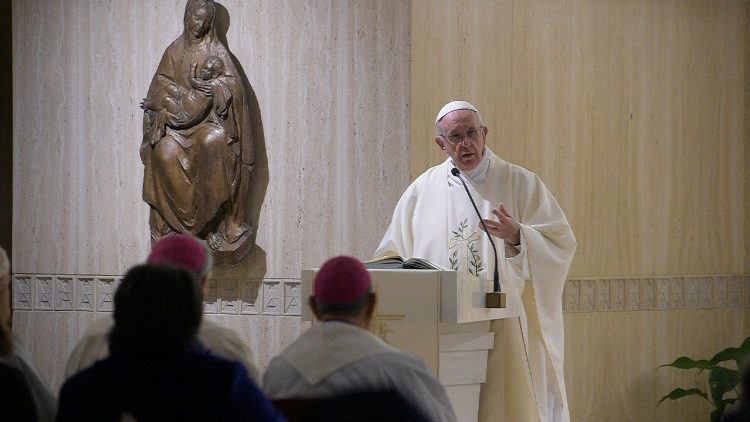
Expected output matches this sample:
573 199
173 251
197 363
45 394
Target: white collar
478 173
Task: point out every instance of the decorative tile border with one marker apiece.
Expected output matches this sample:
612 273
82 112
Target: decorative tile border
281 297
48 292
656 293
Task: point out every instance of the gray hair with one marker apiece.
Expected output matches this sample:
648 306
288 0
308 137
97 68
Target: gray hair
4 262
344 309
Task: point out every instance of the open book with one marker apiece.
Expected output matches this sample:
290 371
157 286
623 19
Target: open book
395 262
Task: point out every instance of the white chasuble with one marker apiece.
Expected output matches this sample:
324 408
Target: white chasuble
467 244
434 220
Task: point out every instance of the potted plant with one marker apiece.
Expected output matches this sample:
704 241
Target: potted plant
722 380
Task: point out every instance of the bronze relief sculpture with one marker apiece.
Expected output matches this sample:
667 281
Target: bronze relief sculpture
197 147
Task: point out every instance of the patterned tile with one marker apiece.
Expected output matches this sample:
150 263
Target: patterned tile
734 292
720 292
662 294
633 292
677 293
692 292
618 295
85 294
229 297
64 293
292 300
706 296
105 293
603 295
648 294
44 287
211 301
272 300
588 295
250 298
23 292
572 295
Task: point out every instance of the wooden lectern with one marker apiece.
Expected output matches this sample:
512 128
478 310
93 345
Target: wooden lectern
441 317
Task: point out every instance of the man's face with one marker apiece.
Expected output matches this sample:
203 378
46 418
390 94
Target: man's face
462 138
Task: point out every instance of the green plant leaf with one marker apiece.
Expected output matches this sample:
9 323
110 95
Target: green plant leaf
679 393
737 354
721 380
684 362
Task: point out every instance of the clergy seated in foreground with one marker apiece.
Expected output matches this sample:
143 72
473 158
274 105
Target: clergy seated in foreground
340 356
156 370
189 252
23 394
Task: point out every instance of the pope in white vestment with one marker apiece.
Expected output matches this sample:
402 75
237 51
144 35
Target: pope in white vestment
435 220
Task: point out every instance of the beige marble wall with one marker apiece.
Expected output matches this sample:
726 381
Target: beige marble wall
331 90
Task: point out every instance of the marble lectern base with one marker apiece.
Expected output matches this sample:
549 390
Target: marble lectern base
463 365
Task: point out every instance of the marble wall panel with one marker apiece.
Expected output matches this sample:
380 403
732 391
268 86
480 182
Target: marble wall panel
328 92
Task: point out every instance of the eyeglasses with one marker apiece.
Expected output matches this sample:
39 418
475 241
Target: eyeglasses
455 138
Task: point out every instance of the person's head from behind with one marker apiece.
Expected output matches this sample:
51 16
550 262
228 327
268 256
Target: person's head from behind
4 285
212 68
342 291
6 342
158 309
461 134
187 251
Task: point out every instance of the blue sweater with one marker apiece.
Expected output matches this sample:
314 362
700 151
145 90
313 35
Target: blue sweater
193 386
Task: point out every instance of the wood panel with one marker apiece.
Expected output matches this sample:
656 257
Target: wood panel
611 362
632 112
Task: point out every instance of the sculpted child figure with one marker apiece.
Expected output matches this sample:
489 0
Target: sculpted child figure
188 107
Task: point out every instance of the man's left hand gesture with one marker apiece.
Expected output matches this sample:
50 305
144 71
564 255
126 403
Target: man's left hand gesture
505 227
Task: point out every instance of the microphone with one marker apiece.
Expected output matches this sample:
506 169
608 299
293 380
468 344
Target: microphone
496 299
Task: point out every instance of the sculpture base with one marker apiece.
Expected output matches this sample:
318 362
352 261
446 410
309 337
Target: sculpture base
494 300
234 253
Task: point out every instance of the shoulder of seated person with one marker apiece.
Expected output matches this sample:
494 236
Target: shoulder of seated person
100 325
212 328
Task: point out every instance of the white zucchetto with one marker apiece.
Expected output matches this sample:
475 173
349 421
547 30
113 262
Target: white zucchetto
453 106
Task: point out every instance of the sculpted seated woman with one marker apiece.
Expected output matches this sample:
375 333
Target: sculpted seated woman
197 146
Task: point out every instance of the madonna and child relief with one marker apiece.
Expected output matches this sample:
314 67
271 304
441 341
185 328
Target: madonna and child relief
197 147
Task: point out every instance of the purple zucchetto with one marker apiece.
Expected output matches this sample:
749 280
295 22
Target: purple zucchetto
179 249
341 279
